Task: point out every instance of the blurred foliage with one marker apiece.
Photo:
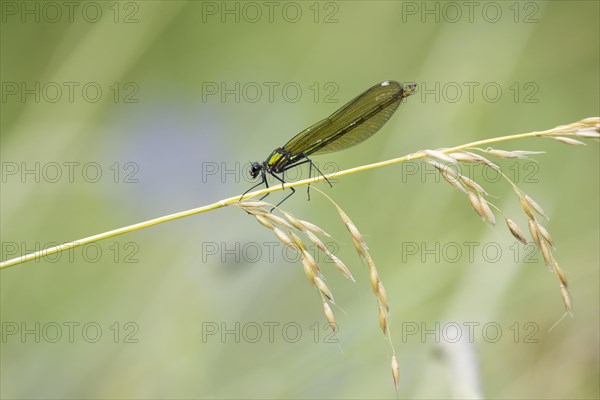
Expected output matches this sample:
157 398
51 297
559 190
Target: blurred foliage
190 92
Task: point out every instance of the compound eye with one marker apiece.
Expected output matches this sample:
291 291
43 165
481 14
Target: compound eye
254 169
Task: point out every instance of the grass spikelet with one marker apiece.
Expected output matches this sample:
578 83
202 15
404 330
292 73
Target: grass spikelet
264 221
545 234
310 261
383 322
525 205
373 276
440 156
357 237
588 134
451 176
297 241
253 204
476 204
454 183
515 230
295 222
472 185
534 232
566 296
284 237
303 226
487 211
536 207
277 220
314 228
588 128
309 271
338 263
561 276
329 317
342 267
324 289
567 140
445 169
547 255
383 296
467 156
522 154
395 370
317 242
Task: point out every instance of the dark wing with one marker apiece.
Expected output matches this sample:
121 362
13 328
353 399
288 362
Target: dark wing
353 123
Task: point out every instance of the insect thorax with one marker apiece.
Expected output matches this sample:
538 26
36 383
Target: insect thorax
277 160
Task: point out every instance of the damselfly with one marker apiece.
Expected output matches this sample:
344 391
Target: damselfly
355 122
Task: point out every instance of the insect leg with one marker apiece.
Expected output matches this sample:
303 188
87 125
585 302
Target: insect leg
312 164
264 180
309 176
282 183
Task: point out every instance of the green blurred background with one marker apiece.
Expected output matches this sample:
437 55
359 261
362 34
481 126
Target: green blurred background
133 316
